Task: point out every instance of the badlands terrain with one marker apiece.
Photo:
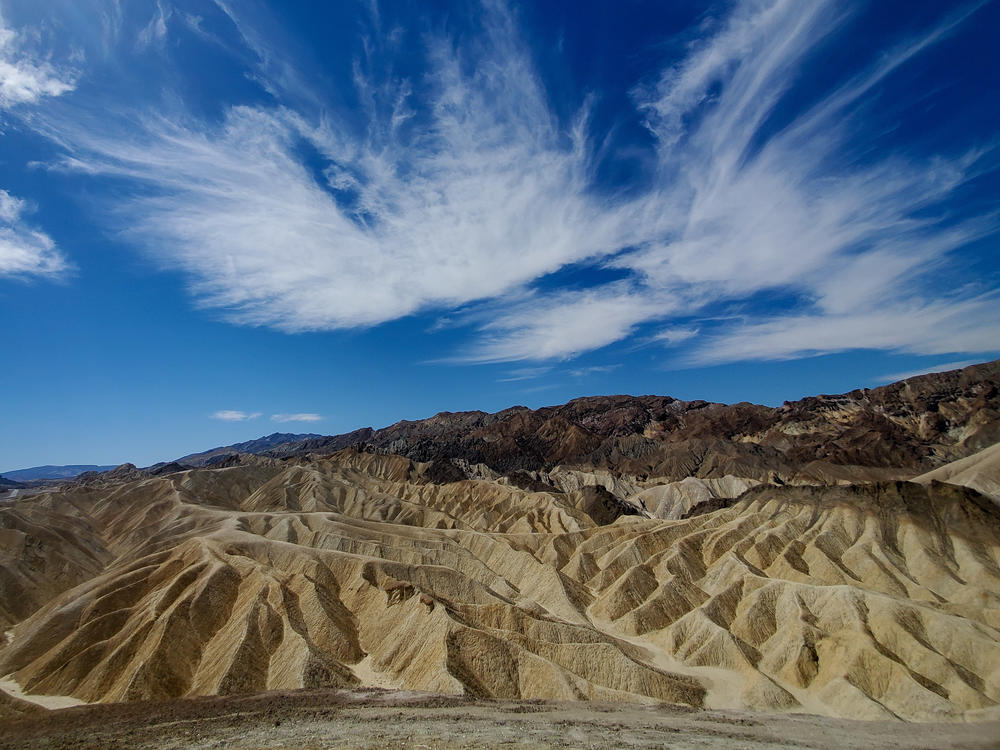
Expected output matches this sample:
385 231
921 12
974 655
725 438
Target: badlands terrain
834 557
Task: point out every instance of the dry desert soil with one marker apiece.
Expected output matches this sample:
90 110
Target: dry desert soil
402 719
613 572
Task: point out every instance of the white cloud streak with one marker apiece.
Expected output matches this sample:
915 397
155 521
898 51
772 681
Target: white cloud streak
26 78
854 243
525 373
155 32
675 335
232 415
583 372
485 199
26 251
943 367
303 417
741 211
917 327
562 325
465 189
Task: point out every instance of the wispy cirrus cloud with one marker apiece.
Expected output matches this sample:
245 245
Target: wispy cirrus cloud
24 250
583 372
856 240
27 77
742 208
943 367
301 417
674 335
564 324
463 188
490 201
154 33
917 327
233 415
525 373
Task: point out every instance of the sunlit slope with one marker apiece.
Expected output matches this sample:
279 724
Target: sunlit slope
980 471
859 601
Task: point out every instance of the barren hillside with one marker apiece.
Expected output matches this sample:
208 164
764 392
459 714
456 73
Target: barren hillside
760 574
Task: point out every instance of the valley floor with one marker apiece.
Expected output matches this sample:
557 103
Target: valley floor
398 719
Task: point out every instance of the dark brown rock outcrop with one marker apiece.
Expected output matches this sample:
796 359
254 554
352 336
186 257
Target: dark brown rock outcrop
908 427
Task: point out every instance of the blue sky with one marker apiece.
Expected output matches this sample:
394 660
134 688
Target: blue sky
222 219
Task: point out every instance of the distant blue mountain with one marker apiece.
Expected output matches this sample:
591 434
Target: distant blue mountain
52 472
195 459
259 445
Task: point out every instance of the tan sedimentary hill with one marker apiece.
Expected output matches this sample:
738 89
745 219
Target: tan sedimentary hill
43 552
674 500
14 708
360 568
980 471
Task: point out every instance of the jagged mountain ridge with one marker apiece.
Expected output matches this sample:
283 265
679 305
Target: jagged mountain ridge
908 427
689 556
660 456
894 431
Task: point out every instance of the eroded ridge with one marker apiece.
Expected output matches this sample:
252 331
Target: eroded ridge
861 601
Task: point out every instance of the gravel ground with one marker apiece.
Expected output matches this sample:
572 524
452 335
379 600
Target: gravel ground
396 719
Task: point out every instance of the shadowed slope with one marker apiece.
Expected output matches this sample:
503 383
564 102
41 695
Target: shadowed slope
357 569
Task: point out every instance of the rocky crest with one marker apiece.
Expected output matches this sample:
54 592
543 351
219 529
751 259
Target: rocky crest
893 431
632 549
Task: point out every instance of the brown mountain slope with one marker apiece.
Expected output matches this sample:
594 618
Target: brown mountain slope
871 601
616 548
894 431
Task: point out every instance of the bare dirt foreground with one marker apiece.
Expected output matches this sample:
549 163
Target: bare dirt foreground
398 719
